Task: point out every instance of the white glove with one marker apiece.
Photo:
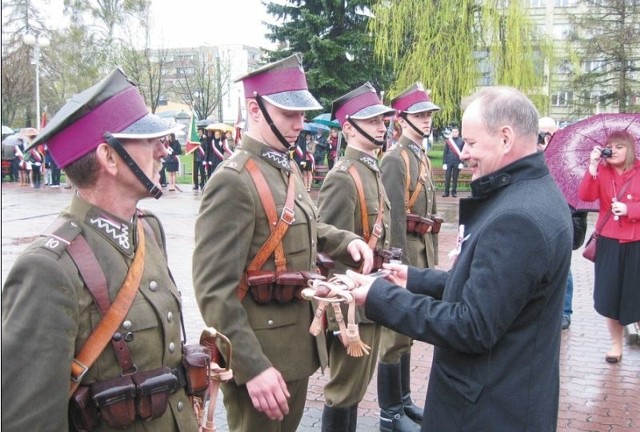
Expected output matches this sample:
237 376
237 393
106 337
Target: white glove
460 165
444 166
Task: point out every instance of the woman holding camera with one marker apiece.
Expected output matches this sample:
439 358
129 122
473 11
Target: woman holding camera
613 177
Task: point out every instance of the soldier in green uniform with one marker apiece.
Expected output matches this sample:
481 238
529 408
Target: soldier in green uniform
355 180
406 175
243 259
110 148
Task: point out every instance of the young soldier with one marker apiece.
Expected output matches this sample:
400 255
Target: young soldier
59 288
353 198
257 230
406 175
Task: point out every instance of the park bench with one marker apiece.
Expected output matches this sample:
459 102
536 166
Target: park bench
464 179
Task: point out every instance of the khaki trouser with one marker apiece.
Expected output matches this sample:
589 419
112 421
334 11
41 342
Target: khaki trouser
393 345
350 376
243 417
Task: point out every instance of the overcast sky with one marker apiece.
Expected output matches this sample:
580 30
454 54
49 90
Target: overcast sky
185 23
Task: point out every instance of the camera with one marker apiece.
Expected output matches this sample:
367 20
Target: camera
606 153
542 137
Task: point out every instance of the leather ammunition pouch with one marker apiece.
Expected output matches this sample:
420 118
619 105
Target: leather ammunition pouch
418 225
120 401
381 256
195 361
282 287
116 400
325 264
437 224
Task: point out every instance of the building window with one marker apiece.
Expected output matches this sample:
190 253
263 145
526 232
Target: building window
561 98
537 3
563 67
564 3
561 31
593 66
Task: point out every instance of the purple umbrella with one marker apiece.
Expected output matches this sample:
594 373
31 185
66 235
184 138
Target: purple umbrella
568 152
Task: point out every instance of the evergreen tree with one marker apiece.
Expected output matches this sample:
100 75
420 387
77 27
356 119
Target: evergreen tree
606 41
336 44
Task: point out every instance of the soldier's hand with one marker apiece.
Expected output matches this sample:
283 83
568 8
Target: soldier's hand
363 284
361 252
269 394
398 274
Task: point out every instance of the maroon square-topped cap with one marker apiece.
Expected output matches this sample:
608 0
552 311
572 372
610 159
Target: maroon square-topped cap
414 100
114 106
359 104
282 83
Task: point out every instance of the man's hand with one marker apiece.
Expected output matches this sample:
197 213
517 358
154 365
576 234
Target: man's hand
269 394
363 283
361 252
460 165
444 167
399 273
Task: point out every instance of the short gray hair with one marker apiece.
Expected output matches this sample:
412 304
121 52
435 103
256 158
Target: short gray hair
507 106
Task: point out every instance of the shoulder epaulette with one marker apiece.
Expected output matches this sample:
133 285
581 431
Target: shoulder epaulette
237 161
60 234
343 165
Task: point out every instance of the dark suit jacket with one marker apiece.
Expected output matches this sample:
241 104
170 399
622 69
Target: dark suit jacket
495 316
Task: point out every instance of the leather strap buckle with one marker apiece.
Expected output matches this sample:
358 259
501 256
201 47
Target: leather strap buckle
287 216
84 368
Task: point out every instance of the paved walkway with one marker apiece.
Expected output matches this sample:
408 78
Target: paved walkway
594 396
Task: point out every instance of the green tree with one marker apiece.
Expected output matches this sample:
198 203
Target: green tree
606 37
333 35
454 46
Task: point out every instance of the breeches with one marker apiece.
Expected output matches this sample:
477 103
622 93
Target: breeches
393 345
243 417
350 376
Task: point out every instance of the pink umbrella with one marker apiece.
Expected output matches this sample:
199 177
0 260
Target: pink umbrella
568 152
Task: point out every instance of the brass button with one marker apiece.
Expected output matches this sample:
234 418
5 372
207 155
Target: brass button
126 325
180 405
128 337
300 196
172 347
170 316
270 322
117 336
153 285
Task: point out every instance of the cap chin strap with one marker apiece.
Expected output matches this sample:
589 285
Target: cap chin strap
153 189
287 145
366 135
414 127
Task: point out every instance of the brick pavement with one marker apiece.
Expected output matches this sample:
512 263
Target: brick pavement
594 396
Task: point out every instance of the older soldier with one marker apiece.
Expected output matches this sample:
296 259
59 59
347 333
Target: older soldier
100 270
406 174
257 241
353 198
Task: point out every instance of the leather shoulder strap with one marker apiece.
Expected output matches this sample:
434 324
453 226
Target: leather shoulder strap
370 237
278 226
112 319
96 282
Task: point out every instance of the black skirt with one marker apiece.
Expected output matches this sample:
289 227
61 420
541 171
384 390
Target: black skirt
616 293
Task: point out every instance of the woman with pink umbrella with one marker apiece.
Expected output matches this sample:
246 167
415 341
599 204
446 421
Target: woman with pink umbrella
613 178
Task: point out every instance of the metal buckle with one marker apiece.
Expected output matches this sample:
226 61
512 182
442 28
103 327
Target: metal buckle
84 368
377 230
287 216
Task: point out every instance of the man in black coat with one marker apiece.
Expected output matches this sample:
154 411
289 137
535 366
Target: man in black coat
451 161
494 318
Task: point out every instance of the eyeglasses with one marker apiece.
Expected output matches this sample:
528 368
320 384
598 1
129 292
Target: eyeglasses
164 140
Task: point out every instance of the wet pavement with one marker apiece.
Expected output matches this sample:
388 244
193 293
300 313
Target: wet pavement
594 395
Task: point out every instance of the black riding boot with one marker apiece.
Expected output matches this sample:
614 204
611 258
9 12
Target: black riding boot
335 419
353 418
392 415
414 412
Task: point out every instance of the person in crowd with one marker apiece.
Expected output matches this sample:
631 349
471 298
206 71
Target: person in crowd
352 197
546 128
172 161
229 144
309 160
613 178
59 287
406 174
249 269
35 158
200 162
452 164
216 151
53 170
322 148
334 142
494 318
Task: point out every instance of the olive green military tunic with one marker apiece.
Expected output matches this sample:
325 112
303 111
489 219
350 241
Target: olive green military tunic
419 251
339 205
48 313
232 226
